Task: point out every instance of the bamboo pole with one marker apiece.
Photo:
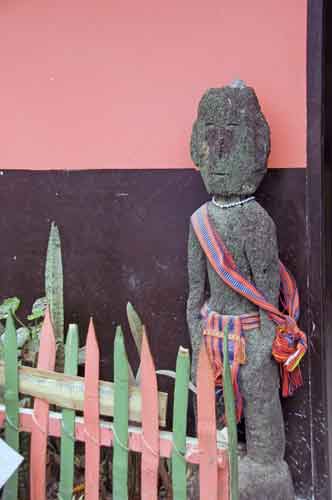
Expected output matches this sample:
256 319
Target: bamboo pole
67 391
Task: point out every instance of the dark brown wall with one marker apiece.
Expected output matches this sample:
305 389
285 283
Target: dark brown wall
124 237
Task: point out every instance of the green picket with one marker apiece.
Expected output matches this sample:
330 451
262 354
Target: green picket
11 397
120 421
231 423
179 469
68 421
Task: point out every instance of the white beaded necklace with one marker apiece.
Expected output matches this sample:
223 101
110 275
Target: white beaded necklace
233 204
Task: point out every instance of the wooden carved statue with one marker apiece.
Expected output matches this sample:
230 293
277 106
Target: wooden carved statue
234 282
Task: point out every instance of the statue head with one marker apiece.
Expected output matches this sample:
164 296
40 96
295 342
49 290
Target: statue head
230 141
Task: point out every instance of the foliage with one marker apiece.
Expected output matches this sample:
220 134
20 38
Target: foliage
27 328
54 290
11 304
54 282
137 330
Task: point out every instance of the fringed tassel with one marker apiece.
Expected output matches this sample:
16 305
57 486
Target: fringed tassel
290 381
294 360
288 349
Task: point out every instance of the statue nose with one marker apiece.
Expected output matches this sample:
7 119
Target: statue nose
225 142
220 149
233 118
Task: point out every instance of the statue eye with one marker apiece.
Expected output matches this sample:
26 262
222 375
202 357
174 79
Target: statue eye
209 124
211 134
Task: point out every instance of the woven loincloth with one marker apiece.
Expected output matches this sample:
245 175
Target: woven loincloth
214 327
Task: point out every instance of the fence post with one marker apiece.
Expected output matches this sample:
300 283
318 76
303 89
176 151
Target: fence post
68 421
120 421
150 424
11 401
91 416
38 452
231 423
179 466
206 428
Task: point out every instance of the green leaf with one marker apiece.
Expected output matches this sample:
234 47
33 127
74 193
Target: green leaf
35 331
54 282
30 351
38 309
23 335
136 326
11 304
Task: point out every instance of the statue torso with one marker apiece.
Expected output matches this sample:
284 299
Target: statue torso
235 226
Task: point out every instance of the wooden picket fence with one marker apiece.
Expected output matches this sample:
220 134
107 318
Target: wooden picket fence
125 404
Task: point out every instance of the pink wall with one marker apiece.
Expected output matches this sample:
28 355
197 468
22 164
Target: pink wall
115 83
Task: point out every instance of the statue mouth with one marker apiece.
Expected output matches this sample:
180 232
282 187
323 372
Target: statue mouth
219 174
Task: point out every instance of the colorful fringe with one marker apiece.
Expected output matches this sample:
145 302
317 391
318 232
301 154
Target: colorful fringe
214 327
290 343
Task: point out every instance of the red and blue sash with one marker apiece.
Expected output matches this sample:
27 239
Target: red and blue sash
290 343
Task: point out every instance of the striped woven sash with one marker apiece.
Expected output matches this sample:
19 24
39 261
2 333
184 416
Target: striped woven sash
290 343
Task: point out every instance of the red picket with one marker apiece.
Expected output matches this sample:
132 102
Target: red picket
91 416
150 424
39 432
223 477
206 428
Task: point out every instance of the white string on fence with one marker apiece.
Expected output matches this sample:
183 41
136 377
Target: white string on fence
66 432
146 444
11 424
95 441
117 439
178 452
37 423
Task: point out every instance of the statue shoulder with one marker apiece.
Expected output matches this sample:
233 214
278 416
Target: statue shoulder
259 219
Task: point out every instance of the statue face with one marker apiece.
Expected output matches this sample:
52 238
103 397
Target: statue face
230 141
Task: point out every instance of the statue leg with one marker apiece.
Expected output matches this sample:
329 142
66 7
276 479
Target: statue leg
263 472
265 434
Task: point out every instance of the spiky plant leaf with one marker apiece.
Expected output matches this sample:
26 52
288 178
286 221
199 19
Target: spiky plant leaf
38 309
136 326
54 282
9 305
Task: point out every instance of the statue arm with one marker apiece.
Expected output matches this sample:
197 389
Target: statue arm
197 281
262 253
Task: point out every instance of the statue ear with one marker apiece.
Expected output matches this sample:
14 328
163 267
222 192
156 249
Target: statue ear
194 145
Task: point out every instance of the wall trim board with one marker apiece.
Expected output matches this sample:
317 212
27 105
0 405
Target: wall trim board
317 233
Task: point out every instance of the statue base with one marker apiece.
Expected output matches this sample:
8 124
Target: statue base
264 481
